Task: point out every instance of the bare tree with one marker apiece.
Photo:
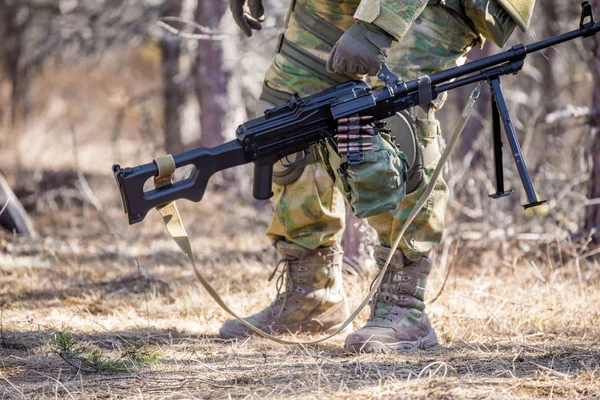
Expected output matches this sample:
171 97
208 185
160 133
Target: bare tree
210 78
15 21
592 221
173 90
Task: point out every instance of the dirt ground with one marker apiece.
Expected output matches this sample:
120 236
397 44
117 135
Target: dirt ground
95 308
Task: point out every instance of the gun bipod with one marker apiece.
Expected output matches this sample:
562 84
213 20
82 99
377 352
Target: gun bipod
501 117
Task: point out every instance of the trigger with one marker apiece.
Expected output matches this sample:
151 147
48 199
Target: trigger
295 162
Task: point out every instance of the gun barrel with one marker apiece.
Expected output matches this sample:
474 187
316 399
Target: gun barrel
518 52
565 37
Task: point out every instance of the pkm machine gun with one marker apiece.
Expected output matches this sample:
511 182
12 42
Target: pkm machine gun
301 122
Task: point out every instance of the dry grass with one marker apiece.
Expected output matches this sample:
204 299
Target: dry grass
98 309
512 323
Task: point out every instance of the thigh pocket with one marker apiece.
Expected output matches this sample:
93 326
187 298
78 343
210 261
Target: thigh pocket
376 186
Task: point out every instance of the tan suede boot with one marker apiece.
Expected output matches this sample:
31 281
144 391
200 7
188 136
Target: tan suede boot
398 321
313 300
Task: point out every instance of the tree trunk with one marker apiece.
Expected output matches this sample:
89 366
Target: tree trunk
13 61
210 76
173 91
592 221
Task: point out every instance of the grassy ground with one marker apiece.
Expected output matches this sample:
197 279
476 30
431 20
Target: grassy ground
97 309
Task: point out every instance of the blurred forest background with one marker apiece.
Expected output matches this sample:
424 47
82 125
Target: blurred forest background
85 84
89 83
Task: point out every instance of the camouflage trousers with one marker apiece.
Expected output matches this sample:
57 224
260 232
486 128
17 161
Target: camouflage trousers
311 211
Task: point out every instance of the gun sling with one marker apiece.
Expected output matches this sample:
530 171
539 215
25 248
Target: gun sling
174 224
137 202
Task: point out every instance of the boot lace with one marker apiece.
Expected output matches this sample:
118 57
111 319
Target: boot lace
385 298
285 276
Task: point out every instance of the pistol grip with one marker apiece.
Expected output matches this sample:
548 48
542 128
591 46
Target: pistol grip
263 180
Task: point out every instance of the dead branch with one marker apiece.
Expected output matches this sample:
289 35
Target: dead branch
191 36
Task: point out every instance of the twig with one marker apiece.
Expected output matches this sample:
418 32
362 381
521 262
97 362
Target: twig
550 370
84 186
568 113
57 382
68 357
450 267
145 300
440 364
191 36
193 24
588 203
2 324
506 331
5 206
14 387
590 254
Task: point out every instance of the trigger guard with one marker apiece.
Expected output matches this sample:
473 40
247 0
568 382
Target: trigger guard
286 174
294 163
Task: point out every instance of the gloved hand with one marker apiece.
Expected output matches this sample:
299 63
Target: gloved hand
248 14
362 49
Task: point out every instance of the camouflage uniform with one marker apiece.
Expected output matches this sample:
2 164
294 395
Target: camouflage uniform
309 208
310 212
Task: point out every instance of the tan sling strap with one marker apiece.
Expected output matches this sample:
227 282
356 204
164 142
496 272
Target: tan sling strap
172 220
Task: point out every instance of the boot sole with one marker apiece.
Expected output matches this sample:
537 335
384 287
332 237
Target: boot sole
375 346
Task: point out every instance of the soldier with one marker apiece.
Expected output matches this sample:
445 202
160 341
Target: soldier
325 43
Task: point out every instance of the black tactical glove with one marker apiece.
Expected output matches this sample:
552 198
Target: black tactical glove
362 49
248 14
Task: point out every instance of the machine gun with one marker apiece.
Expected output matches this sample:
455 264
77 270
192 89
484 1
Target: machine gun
302 122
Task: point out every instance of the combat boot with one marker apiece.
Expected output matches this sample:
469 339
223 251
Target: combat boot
398 321
313 299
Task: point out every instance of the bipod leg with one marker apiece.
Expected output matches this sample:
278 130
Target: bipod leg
511 135
498 168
